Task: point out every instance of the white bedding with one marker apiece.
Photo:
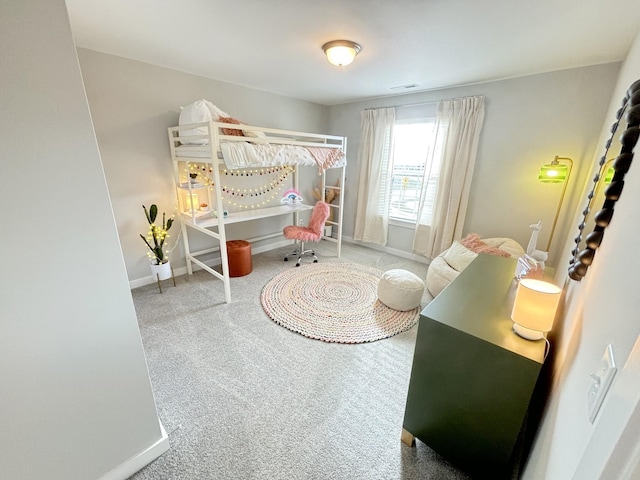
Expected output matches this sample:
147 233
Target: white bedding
250 155
247 155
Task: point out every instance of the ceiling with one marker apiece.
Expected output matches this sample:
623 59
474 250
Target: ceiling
275 45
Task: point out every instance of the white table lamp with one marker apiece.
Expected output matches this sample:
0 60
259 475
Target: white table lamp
192 202
534 308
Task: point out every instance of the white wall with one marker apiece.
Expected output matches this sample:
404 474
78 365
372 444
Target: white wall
528 121
132 105
602 309
75 399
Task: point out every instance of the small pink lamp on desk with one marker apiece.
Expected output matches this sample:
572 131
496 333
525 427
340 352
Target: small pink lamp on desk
534 308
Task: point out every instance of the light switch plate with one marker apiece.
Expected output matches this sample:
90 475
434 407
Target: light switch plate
601 381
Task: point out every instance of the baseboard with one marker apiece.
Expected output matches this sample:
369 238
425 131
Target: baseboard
214 262
392 251
271 246
140 460
140 282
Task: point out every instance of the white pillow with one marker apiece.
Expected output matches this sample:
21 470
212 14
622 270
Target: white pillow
196 112
205 111
458 256
216 113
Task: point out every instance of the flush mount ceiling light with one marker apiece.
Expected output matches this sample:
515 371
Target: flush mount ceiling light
341 52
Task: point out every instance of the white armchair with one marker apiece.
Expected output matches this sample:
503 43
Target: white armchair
448 265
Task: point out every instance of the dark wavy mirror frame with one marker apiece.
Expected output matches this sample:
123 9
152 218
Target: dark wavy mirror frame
630 111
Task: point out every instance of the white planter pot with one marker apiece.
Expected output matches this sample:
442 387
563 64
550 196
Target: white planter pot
163 271
328 230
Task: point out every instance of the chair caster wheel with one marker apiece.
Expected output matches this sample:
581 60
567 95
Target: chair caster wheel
297 264
315 261
286 259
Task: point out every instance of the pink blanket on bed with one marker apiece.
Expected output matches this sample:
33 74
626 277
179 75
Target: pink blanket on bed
325 157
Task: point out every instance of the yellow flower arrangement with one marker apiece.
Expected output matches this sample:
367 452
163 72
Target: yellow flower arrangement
156 235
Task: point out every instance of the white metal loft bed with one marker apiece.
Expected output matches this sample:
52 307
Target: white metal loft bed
200 151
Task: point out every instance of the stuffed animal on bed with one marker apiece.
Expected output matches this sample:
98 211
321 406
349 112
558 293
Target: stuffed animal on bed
231 131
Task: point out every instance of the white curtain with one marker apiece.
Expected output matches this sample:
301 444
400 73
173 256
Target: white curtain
458 125
374 187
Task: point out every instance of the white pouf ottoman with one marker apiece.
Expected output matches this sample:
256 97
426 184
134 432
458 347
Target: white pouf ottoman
400 289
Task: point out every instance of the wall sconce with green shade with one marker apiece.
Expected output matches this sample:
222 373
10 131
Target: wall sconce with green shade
556 172
608 176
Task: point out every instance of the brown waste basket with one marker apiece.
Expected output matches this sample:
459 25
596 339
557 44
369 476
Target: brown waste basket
239 254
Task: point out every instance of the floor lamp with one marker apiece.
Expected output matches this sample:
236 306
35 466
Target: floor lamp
556 172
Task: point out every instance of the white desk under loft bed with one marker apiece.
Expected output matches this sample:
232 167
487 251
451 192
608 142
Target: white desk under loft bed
203 148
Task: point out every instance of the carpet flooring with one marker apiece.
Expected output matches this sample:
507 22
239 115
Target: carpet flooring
243 398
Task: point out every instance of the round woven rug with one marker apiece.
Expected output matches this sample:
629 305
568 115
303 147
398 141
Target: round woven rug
333 302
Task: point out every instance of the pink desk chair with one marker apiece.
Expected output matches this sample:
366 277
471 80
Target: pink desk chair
310 233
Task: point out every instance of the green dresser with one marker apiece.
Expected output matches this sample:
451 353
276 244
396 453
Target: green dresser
472 377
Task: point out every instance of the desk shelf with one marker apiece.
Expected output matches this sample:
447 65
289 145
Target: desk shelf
207 220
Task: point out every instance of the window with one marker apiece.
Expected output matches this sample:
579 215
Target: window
412 142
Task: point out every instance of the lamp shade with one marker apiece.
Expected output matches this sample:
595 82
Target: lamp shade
534 308
608 176
191 201
341 52
558 171
553 173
